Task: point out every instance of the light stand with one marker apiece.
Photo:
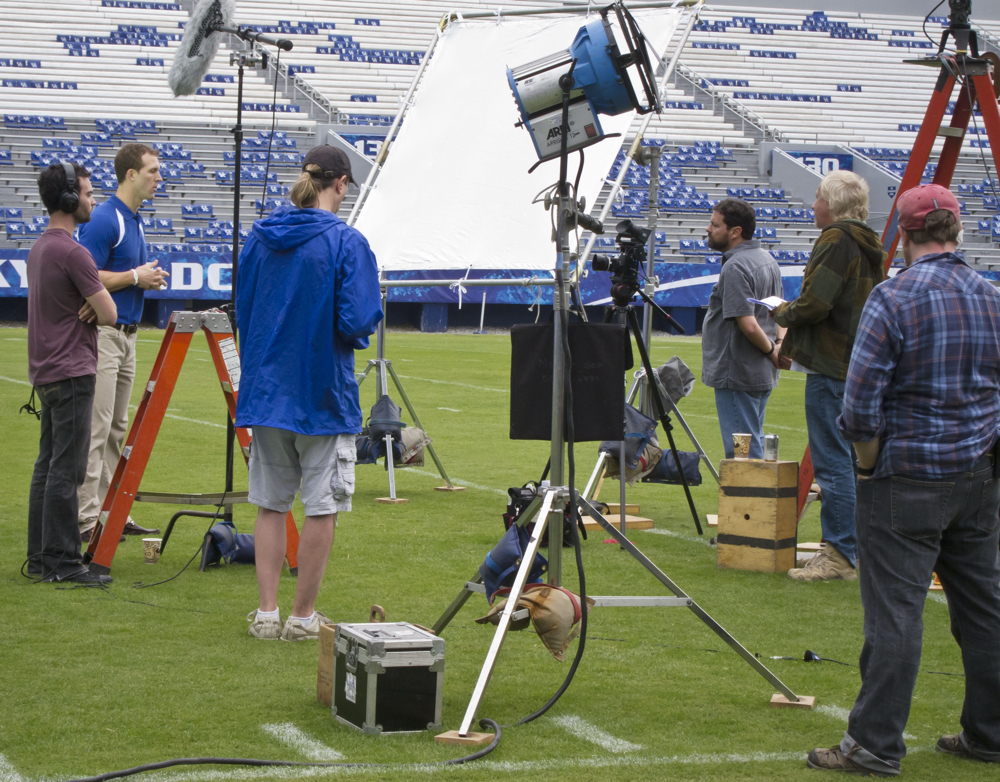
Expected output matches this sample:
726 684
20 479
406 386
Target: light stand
547 510
383 371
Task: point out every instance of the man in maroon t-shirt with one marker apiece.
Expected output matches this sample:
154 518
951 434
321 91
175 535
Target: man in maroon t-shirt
66 303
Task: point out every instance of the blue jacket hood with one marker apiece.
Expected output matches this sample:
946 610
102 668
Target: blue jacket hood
288 227
307 297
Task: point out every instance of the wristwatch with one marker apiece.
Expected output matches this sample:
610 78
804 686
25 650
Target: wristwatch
135 277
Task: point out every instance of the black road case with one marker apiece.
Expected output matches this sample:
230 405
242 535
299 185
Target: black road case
387 677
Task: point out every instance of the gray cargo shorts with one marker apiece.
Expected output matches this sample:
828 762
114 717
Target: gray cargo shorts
281 461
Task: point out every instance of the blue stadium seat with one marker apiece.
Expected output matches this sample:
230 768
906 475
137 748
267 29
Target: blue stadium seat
197 211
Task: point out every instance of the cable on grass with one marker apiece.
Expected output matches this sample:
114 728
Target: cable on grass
484 723
811 657
218 510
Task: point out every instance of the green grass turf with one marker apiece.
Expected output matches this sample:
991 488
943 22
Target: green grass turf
92 681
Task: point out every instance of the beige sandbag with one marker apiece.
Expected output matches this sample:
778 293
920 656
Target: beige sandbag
651 456
414 440
554 613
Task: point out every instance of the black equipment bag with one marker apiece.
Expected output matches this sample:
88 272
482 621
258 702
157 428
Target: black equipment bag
384 419
640 430
666 470
521 497
600 352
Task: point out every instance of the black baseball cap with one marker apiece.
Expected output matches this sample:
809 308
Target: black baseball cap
333 163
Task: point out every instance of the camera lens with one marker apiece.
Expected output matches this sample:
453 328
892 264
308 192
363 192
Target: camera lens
600 263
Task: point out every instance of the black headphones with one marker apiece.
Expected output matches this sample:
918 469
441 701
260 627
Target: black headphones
69 198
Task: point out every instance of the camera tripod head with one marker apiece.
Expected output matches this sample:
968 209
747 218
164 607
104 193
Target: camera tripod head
960 28
624 269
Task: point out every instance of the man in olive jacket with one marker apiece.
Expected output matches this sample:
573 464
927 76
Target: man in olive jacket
847 262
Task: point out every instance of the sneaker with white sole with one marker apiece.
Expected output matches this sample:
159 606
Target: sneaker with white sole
294 630
265 628
828 565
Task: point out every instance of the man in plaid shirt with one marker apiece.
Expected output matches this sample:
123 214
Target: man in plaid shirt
922 406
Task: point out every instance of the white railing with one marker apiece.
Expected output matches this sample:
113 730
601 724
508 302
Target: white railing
747 116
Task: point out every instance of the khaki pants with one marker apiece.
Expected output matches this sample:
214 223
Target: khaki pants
109 420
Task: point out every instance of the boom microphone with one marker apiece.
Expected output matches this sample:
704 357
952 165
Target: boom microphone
199 45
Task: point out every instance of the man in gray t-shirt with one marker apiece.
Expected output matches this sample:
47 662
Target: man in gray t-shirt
740 341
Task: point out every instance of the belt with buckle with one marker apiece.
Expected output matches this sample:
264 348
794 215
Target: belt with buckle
127 329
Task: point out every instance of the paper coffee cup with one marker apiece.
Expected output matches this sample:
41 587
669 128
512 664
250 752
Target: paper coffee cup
741 445
151 550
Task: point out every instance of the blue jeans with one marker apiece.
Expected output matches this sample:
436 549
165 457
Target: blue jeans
742 411
53 534
906 529
833 463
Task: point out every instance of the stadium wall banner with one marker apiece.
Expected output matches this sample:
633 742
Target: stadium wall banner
192 275
824 163
208 277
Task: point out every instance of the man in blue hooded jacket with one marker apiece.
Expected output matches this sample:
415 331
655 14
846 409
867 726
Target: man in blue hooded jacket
307 297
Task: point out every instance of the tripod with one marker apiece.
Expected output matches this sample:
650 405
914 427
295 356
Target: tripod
622 306
383 371
547 510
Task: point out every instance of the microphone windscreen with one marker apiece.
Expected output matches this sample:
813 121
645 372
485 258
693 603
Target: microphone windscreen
199 44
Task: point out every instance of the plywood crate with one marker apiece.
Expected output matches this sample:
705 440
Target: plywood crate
758 503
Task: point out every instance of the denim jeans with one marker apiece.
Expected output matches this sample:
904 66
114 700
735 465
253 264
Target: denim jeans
742 411
833 463
908 528
53 534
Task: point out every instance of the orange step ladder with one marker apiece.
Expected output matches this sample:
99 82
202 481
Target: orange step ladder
124 487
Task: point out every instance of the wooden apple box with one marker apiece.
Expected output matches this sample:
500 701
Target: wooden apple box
758 503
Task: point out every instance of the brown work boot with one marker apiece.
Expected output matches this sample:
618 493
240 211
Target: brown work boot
834 760
828 565
956 744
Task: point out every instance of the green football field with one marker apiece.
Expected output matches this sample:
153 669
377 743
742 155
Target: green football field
92 680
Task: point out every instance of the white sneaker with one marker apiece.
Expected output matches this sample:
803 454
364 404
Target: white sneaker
294 630
265 628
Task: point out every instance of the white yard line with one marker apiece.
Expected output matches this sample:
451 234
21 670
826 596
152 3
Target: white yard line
837 712
457 481
289 735
584 730
8 773
500 767
672 534
12 380
189 420
938 597
453 383
766 426
842 714
513 767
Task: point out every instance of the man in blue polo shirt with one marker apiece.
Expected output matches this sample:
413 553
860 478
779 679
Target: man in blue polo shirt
115 239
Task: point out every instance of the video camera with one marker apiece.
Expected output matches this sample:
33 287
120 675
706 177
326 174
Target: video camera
625 268
961 10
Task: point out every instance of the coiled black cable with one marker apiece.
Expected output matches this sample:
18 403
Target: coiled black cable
484 723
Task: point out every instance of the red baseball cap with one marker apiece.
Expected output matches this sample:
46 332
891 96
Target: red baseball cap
915 204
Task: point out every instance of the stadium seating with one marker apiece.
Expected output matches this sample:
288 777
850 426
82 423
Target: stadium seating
804 75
